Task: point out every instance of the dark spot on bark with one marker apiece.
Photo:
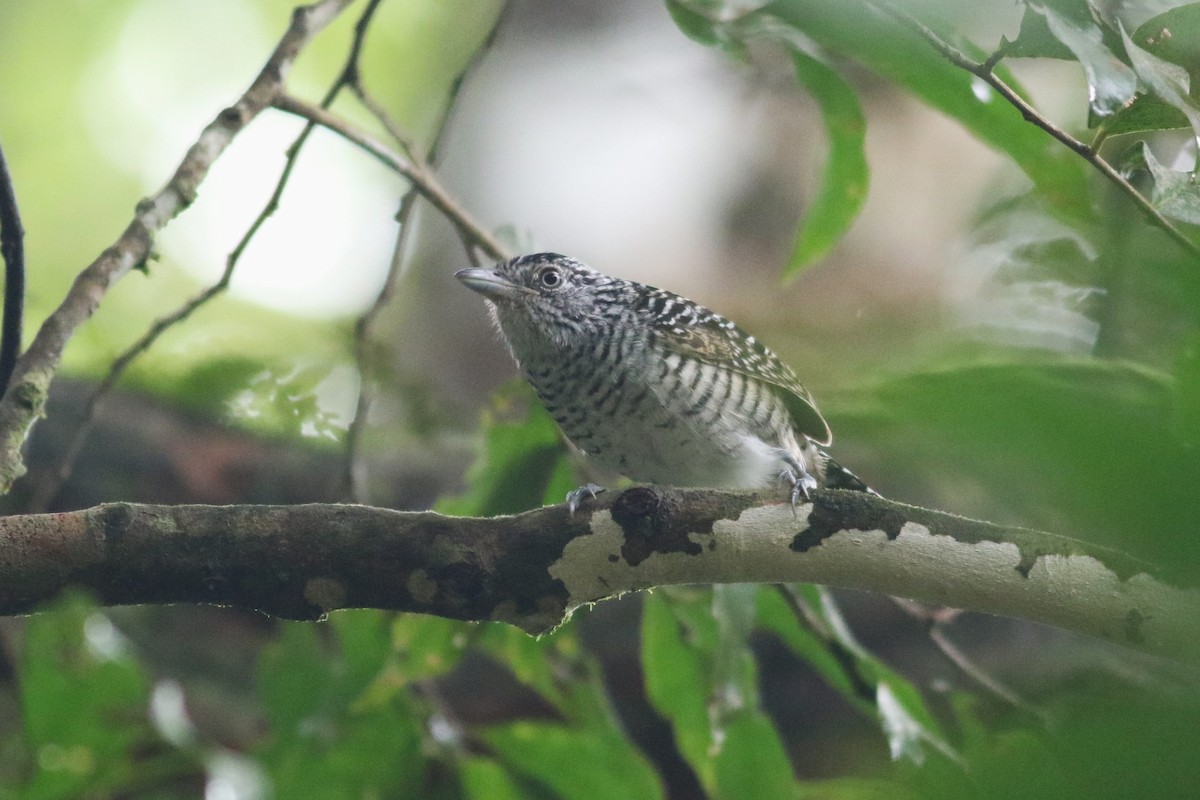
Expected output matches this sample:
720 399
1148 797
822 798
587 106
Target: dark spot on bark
650 519
231 117
635 504
462 581
1025 565
614 558
26 396
114 520
1133 626
845 510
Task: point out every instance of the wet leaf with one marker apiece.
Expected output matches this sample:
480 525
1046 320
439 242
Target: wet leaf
1111 83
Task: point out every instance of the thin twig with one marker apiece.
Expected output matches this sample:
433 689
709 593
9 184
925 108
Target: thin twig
984 71
935 621
354 474
12 250
46 493
417 172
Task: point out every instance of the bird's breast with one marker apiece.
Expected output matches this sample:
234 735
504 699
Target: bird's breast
656 416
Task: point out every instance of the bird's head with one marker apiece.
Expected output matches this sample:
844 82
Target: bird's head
548 301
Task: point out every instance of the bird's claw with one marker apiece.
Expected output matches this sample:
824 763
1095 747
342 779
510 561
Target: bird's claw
802 484
576 496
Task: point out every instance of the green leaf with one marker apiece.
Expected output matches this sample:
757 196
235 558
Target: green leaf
84 700
330 737
531 660
1187 393
427 646
1034 39
776 616
674 672
1112 84
907 722
844 183
750 761
576 764
484 779
1170 82
694 25
700 674
1173 36
1176 194
521 456
1145 113
856 29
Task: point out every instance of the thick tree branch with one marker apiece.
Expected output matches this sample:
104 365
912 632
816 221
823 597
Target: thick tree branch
26 396
533 569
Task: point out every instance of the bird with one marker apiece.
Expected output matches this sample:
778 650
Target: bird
654 386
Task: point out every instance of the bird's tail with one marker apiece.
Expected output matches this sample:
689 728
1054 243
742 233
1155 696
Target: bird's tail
835 476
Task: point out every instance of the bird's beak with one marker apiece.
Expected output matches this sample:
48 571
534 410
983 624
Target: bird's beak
491 285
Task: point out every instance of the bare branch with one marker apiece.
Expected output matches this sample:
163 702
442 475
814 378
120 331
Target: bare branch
416 172
26 398
935 621
533 569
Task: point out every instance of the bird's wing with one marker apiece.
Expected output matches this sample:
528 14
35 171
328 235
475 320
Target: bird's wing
696 332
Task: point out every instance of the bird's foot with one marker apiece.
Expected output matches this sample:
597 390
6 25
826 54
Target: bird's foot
802 482
576 496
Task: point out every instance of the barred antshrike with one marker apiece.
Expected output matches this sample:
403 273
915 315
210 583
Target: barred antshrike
654 386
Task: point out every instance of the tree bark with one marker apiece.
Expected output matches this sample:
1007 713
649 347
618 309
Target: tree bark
533 569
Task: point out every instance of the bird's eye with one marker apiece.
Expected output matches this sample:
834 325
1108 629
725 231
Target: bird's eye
550 278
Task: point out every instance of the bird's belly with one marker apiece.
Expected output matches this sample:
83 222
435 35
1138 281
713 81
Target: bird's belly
677 456
648 433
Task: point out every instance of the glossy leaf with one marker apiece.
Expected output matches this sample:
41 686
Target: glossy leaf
856 29
694 25
700 674
1170 82
1186 418
1111 83
1173 36
1176 194
735 681
844 181
1145 113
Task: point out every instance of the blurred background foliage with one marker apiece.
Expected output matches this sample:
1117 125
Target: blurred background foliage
991 327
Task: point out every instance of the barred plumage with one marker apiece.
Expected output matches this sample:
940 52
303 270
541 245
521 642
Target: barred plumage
654 386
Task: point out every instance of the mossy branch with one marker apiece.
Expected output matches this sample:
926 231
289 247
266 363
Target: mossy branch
533 569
